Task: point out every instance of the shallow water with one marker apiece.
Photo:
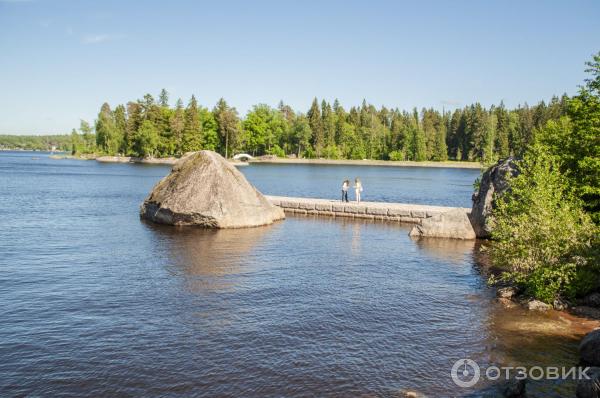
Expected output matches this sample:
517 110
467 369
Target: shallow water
96 302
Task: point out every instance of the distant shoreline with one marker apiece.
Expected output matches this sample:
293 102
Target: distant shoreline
369 162
341 162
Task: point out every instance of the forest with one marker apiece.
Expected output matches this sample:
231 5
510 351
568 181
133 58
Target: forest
151 127
36 142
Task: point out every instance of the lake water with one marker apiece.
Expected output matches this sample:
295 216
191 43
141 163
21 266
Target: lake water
95 302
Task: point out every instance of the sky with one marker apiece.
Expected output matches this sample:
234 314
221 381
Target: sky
60 60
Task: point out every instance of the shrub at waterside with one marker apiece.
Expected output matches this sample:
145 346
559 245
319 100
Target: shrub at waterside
544 238
546 226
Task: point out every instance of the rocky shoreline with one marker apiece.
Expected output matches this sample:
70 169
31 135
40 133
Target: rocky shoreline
370 162
170 161
274 160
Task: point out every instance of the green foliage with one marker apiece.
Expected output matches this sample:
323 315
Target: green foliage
145 140
277 151
36 142
228 126
396 155
544 239
331 152
108 137
210 136
192 130
364 132
301 134
576 141
316 126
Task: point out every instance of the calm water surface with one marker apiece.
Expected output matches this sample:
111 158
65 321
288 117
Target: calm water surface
95 302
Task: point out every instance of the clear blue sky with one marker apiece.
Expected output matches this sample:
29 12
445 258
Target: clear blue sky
60 60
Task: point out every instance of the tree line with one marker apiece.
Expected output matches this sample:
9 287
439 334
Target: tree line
36 142
151 127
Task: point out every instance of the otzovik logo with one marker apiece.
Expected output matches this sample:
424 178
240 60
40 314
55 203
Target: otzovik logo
465 373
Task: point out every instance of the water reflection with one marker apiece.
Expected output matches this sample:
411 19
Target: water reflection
452 250
211 259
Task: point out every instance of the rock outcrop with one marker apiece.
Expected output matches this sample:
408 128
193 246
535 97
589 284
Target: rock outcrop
589 348
204 189
592 300
494 182
453 224
537 305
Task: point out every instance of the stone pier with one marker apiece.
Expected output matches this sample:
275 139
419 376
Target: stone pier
401 212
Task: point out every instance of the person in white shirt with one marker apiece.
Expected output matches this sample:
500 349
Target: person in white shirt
345 187
357 189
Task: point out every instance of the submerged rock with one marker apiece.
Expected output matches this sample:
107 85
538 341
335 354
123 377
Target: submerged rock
560 304
453 224
494 182
589 348
536 305
508 292
204 189
589 388
514 388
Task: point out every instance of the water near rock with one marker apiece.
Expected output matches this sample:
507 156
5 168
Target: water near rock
204 189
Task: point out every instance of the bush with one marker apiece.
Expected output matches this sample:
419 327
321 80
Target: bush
332 152
544 240
277 151
358 153
309 153
396 155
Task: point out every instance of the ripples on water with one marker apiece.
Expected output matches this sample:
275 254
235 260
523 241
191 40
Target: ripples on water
96 302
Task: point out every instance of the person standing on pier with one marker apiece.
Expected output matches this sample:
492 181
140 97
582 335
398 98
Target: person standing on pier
357 189
345 187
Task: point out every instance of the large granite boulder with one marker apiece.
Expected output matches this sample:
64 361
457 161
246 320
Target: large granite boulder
494 182
453 224
206 190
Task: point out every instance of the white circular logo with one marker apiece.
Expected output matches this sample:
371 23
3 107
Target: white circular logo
465 373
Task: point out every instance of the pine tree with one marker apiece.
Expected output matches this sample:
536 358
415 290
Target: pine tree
227 125
316 126
328 123
134 121
121 127
302 134
107 139
163 98
145 140
440 151
192 131
501 143
178 126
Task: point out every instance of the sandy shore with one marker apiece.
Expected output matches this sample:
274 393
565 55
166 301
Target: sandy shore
389 163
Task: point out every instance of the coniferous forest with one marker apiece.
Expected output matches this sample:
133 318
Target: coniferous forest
155 127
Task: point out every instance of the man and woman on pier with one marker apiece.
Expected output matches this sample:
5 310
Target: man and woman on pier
357 189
